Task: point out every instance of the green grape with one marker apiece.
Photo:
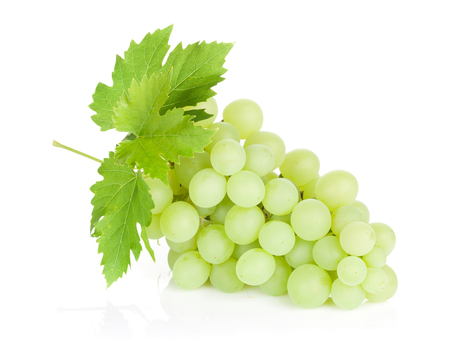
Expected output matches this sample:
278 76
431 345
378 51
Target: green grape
264 180
277 238
259 159
225 131
301 253
327 252
281 196
347 297
172 257
270 140
363 209
271 175
191 270
301 166
309 190
376 258
375 281
214 245
210 107
245 189
333 274
357 238
188 245
207 188
385 237
277 284
352 270
154 230
255 267
391 287
242 225
189 166
223 276
202 212
336 189
227 157
179 222
285 218
162 195
311 219
173 182
342 216
245 115
309 286
221 211
239 250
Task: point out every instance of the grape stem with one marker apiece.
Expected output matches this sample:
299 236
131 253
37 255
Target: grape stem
59 145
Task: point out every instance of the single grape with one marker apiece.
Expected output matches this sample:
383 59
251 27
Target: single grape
342 216
281 196
228 157
301 166
385 237
285 218
210 107
352 270
190 271
245 189
327 252
259 159
357 238
363 209
333 274
207 188
154 230
277 284
245 115
255 267
277 238
390 289
173 182
162 195
189 166
311 219
309 190
225 131
271 175
347 297
336 189
223 276
375 281
221 211
376 258
242 225
179 222
214 245
239 250
309 286
270 140
301 253
172 257
185 246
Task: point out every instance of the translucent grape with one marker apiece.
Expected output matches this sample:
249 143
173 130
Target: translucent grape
207 188
245 189
191 270
277 284
309 286
336 189
173 181
385 237
228 157
375 281
242 225
255 267
245 115
352 270
390 289
221 211
154 230
210 107
327 252
271 140
239 250
376 258
223 276
214 245
185 246
357 238
271 175
259 159
342 216
281 196
285 218
172 257
277 238
225 131
309 190
347 297
311 219
162 195
179 222
202 212
301 166
189 166
363 209
301 253
333 274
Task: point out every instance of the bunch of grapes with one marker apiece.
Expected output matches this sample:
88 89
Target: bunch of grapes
227 216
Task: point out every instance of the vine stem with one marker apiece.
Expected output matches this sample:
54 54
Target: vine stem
59 145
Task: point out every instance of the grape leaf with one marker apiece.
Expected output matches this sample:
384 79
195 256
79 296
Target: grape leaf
158 137
144 58
121 200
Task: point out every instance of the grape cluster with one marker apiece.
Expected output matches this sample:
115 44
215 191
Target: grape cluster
227 216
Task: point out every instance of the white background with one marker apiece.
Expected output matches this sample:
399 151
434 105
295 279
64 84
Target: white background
363 84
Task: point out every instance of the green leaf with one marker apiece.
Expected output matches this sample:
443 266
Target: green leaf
144 58
158 138
121 201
